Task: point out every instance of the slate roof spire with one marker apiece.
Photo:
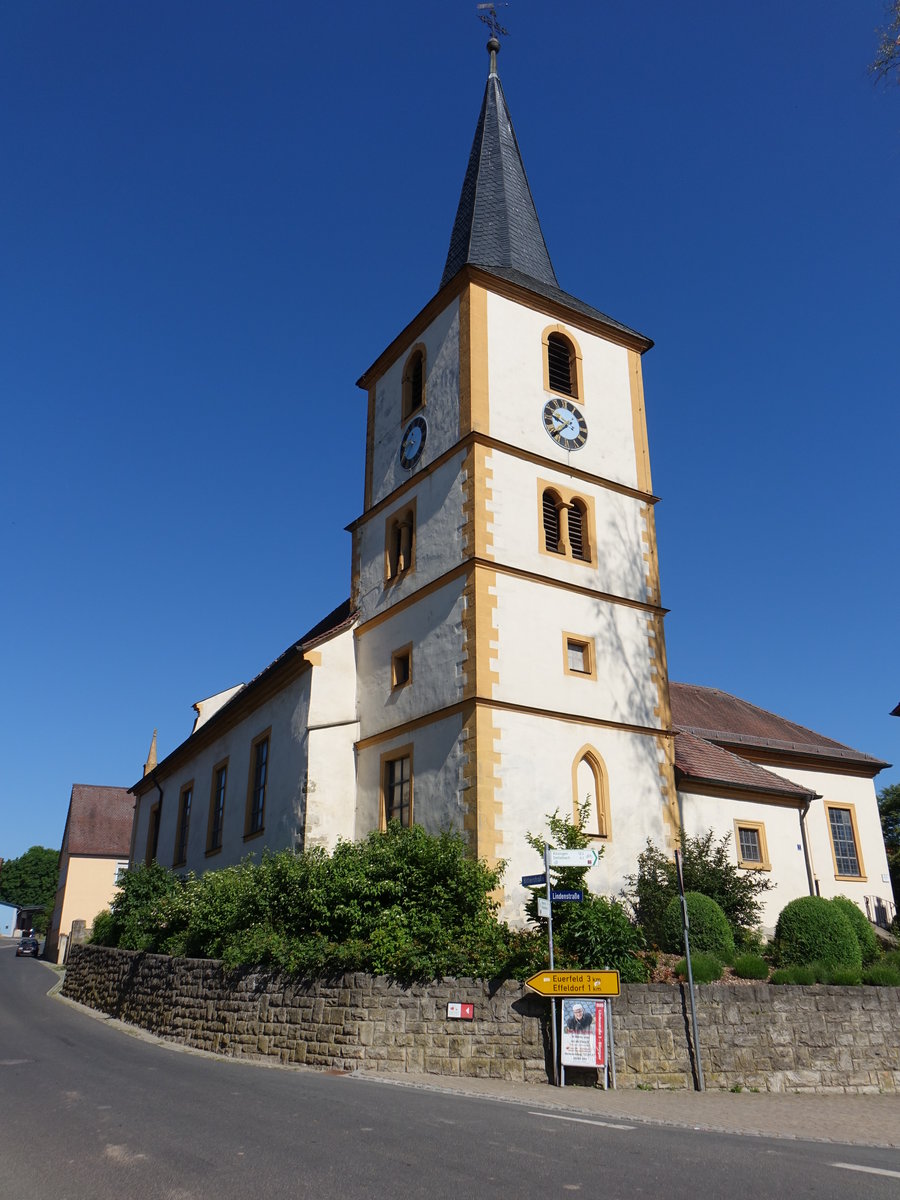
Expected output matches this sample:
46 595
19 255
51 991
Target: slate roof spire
496 223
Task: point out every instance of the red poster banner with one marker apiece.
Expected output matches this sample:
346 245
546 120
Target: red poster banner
583 1033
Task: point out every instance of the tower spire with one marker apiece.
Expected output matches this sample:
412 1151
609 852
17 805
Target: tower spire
496 222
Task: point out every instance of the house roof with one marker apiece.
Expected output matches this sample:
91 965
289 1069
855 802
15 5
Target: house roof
727 720
700 762
99 820
246 698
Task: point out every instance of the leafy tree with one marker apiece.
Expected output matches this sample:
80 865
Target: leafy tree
887 58
594 934
32 879
889 808
707 868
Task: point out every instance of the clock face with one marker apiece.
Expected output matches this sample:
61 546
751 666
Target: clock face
413 443
565 424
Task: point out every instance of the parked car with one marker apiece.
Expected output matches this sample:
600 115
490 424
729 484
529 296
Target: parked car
28 945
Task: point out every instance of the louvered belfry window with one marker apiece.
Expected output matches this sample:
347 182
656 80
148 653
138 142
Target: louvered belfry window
551 523
576 530
415 383
559 364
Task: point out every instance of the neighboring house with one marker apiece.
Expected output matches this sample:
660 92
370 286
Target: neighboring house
94 850
8 914
502 653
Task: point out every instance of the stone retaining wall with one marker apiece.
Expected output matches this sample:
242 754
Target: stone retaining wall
822 1039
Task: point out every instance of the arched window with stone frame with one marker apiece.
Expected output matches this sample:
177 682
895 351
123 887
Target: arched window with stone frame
590 788
562 363
414 379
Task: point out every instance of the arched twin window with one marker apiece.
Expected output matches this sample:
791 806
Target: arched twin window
566 525
590 793
400 543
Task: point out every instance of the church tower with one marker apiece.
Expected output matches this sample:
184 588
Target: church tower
510 649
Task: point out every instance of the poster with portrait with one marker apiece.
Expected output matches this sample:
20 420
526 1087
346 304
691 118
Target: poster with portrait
583 1041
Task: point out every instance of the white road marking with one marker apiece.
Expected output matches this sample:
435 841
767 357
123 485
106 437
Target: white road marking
867 1170
580 1120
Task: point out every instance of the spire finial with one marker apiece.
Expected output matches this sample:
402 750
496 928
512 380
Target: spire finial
489 17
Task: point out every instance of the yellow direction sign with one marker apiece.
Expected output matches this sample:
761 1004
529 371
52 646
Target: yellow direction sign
574 983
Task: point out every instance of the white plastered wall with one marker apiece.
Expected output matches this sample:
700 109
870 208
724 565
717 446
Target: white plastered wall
438 498
330 784
517 396
287 714
441 411
438 794
701 813
848 791
531 619
433 626
517 528
535 775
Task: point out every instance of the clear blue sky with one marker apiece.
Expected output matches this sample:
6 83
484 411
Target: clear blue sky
216 215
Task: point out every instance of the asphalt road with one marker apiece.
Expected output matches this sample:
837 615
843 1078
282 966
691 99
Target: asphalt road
88 1112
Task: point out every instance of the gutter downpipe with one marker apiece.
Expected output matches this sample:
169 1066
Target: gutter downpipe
809 871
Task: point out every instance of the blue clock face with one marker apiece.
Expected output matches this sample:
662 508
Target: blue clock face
413 443
565 424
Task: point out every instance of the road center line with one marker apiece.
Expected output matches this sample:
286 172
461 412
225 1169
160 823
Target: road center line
867 1170
583 1121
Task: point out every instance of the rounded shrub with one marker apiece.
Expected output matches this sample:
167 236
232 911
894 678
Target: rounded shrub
862 927
812 929
709 930
705 968
751 966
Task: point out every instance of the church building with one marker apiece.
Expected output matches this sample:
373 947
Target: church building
502 652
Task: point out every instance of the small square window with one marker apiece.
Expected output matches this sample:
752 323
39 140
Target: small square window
750 841
578 655
401 667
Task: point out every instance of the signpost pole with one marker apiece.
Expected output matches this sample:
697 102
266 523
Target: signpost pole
685 924
610 1046
556 1067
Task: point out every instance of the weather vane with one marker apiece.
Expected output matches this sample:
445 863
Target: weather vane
488 14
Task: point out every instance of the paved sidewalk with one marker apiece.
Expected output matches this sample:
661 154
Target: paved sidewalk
851 1119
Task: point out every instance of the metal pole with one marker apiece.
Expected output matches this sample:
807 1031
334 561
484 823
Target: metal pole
610 1044
685 924
553 1001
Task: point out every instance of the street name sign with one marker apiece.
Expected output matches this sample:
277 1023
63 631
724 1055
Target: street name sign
574 983
573 858
560 894
534 880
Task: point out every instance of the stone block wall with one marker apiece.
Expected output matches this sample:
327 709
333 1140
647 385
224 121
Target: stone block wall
822 1039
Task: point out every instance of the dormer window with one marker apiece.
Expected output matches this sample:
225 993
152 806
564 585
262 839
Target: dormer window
414 382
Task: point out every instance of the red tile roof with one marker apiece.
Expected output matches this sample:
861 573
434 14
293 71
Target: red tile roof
727 720
697 761
99 820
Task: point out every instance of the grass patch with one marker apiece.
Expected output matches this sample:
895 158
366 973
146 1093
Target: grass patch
751 966
705 968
